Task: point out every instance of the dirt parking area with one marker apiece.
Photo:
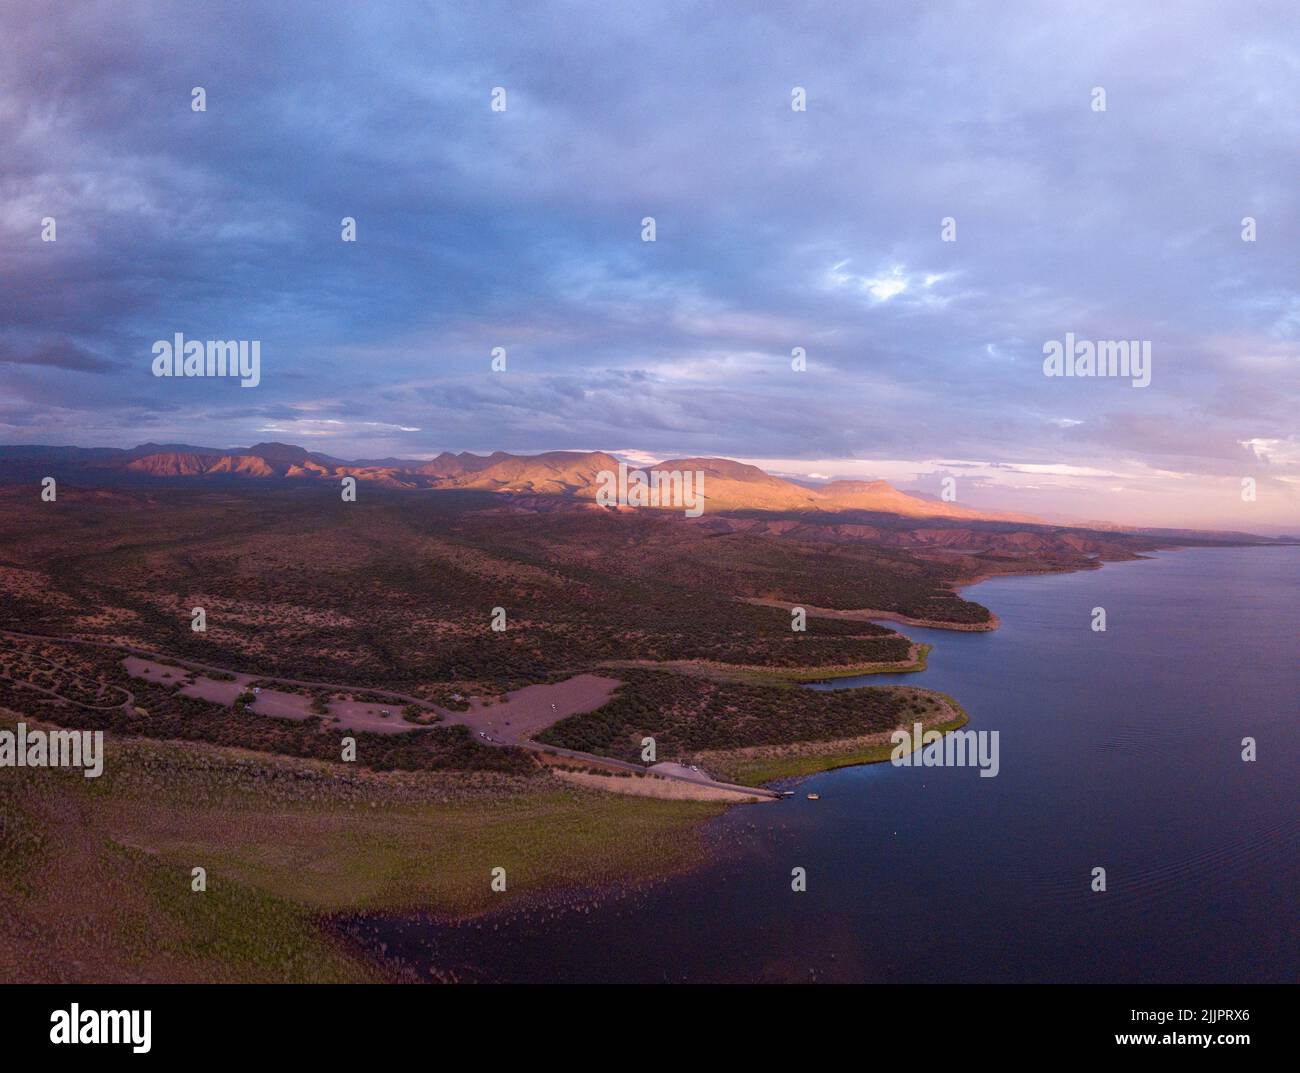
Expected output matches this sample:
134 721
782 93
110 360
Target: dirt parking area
343 714
528 711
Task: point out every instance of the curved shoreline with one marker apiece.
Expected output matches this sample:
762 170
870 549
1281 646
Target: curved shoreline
755 674
764 765
868 614
581 828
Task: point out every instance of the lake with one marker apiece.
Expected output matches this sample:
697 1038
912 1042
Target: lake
1120 750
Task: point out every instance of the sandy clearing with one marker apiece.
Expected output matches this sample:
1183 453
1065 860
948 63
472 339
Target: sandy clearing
649 786
511 720
528 711
681 771
219 692
343 714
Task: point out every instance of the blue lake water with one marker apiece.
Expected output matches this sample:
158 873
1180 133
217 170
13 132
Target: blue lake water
1119 749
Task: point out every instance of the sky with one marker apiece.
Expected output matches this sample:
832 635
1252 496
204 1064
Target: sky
775 228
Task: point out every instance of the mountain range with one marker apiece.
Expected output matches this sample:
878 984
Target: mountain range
553 479
728 485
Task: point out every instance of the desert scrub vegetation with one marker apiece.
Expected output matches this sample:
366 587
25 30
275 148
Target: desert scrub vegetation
22 840
756 766
687 714
399 595
162 711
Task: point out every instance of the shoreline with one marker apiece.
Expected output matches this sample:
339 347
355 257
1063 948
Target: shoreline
358 931
755 674
765 765
868 614
575 857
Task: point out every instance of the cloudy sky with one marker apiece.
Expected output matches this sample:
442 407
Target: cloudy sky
775 229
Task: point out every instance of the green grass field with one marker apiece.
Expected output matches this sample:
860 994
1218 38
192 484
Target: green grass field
97 873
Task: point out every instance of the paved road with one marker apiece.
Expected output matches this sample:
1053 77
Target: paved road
448 716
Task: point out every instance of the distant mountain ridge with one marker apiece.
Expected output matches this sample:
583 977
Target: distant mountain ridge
728 485
565 480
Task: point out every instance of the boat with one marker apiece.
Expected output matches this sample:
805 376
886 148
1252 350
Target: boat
814 797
